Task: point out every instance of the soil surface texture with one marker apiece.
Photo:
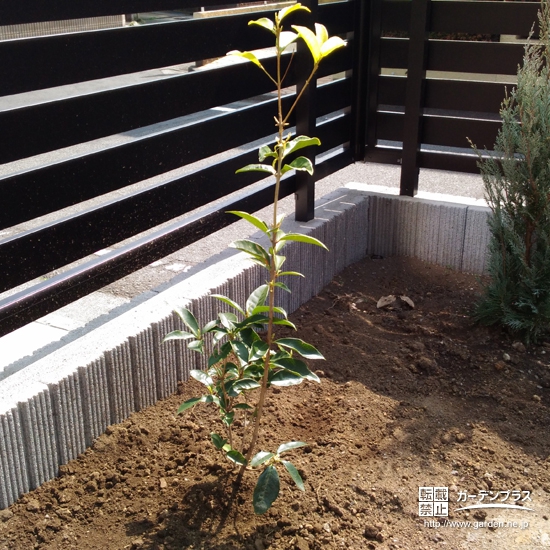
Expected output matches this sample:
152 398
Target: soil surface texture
412 395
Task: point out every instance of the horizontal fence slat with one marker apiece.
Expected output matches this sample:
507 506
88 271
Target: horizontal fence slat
456 95
448 162
474 57
454 132
32 11
484 17
38 192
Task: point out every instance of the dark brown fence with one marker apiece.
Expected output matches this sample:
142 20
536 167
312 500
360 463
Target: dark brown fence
425 122
357 110
43 126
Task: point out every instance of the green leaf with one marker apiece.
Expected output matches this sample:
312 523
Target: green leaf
333 43
284 322
228 320
253 249
257 298
286 38
260 458
201 377
220 355
265 23
290 445
243 406
299 237
295 273
189 403
294 474
236 457
299 142
248 56
276 309
218 441
311 42
301 163
284 287
228 418
245 384
279 261
267 168
248 337
229 302
241 351
285 378
256 222
289 9
255 319
265 151
266 490
296 366
303 348
178 335
258 350
196 345
189 319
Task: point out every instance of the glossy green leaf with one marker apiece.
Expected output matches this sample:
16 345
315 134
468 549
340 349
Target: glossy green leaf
279 261
296 366
284 378
228 320
196 345
260 458
294 474
258 350
210 327
229 302
255 319
289 9
188 404
245 384
299 142
302 164
189 319
265 151
243 406
290 445
228 418
303 348
219 354
332 44
267 168
299 237
266 490
256 222
236 457
257 298
311 42
241 351
252 248
178 335
284 322
218 440
249 336
294 273
286 38
265 23
201 376
249 56
276 309
283 286
321 33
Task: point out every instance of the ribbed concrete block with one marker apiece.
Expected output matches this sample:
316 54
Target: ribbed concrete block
69 417
94 386
405 228
452 225
166 358
145 387
476 240
120 377
39 439
12 457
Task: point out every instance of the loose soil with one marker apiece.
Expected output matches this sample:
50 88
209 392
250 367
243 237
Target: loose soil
409 398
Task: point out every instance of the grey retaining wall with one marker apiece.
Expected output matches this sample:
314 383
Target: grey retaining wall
55 408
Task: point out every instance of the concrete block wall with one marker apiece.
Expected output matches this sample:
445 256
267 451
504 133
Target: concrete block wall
51 411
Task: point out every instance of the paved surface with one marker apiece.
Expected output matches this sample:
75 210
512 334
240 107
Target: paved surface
24 346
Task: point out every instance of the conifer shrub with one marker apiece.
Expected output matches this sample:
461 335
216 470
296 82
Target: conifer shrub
517 187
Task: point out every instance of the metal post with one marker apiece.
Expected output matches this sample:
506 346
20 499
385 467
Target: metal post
414 100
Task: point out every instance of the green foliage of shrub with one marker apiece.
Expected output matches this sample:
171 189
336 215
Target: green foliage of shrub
517 186
242 365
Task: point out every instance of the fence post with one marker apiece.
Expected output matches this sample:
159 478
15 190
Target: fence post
414 100
306 125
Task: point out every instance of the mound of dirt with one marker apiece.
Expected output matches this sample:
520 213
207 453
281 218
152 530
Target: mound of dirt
412 397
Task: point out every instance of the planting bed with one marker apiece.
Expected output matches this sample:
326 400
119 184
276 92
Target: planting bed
409 398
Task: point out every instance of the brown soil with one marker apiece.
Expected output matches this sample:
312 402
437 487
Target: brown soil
409 398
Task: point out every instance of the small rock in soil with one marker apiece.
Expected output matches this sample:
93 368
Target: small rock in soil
33 505
6 514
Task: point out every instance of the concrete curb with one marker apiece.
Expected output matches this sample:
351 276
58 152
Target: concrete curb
51 411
